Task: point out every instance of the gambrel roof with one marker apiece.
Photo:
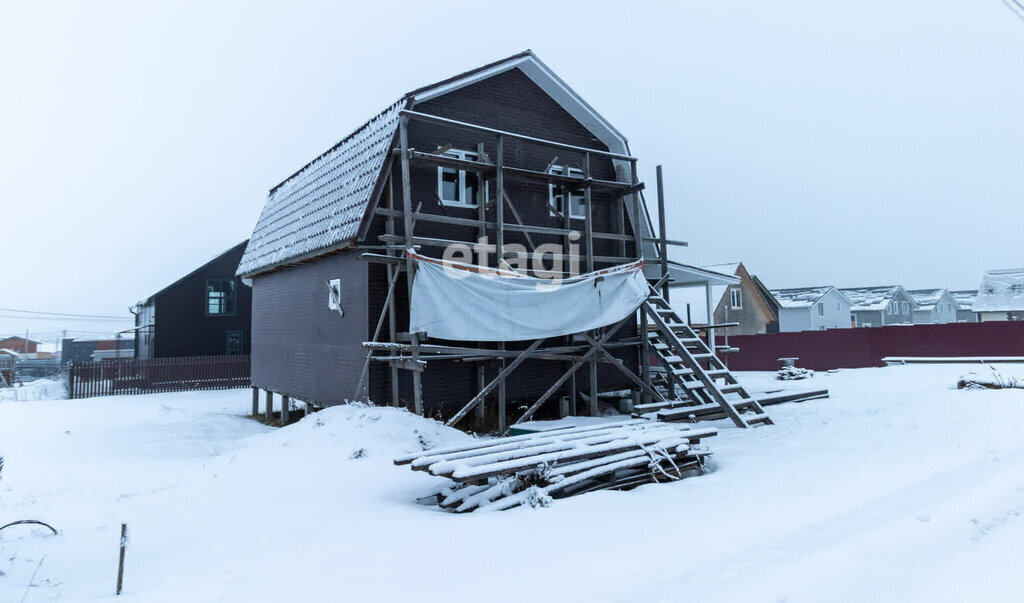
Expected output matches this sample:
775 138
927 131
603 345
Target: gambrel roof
1001 291
321 207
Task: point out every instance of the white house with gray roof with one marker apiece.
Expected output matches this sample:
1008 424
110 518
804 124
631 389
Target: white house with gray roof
812 309
934 306
880 306
965 305
1001 296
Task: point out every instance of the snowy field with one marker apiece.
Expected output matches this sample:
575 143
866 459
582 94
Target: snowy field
897 488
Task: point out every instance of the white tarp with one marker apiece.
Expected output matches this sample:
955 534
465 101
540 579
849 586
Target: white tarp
470 303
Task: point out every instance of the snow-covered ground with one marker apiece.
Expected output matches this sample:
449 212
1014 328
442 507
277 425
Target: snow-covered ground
897 488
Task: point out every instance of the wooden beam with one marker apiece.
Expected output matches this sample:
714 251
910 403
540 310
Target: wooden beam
572 370
285 411
474 223
490 386
662 233
403 134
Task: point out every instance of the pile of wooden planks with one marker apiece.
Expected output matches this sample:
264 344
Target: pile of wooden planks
533 469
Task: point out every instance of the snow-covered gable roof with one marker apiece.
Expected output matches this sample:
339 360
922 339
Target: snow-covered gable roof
965 298
801 297
871 298
321 207
926 298
1001 291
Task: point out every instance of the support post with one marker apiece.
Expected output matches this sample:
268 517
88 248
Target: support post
638 238
593 385
285 411
269 410
710 317
403 134
392 324
255 401
502 409
481 379
588 223
662 233
499 235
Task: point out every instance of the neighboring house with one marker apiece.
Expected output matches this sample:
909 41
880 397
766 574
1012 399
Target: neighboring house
84 350
741 301
965 305
320 277
1001 296
19 344
813 309
880 306
934 306
207 312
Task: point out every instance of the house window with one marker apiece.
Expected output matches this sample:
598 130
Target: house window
736 298
458 187
220 297
334 294
821 328
906 307
821 309
233 343
853 320
577 206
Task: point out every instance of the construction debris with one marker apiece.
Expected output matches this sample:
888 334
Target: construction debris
533 469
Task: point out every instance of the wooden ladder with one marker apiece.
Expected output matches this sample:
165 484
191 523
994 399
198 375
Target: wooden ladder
681 353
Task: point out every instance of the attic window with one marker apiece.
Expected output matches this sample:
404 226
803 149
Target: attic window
906 307
735 298
458 187
556 194
821 309
220 297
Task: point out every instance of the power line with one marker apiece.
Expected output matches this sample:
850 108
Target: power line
64 314
1016 6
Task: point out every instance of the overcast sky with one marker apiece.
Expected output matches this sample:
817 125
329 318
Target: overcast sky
845 143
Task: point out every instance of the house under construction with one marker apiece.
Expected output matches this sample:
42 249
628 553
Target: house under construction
503 163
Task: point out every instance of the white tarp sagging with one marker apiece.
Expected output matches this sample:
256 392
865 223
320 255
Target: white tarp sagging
464 302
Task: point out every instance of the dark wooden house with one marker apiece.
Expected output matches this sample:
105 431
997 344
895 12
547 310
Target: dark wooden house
495 152
207 312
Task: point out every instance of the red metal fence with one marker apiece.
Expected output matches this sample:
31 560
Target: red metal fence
130 376
855 348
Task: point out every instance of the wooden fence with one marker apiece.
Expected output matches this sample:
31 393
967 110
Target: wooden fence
130 376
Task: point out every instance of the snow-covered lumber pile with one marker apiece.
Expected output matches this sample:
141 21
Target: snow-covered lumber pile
993 380
533 469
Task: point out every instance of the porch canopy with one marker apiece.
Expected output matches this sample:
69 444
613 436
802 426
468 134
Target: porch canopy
465 302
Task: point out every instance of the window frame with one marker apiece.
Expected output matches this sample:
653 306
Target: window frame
332 304
821 308
559 170
461 176
735 298
233 298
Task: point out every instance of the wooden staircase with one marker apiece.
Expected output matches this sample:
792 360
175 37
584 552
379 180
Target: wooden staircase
689 374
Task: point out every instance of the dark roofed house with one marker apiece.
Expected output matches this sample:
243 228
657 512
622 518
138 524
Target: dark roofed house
504 152
207 312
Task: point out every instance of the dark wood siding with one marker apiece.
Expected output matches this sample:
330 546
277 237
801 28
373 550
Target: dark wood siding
301 347
182 326
303 350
